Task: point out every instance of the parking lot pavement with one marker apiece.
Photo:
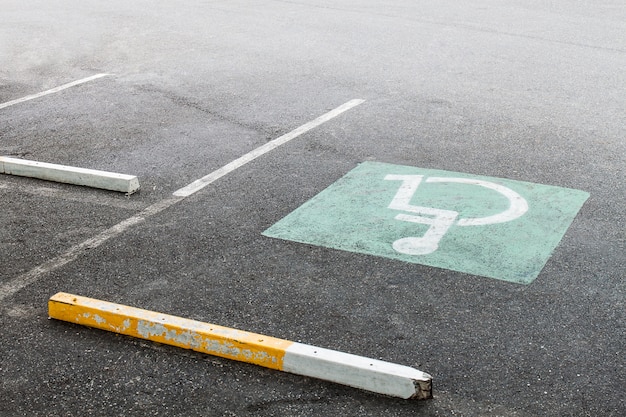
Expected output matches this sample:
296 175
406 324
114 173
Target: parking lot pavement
519 101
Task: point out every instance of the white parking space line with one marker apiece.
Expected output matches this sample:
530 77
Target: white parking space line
52 90
70 195
11 287
261 150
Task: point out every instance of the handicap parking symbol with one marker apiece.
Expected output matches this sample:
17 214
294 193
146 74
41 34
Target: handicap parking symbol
440 220
485 226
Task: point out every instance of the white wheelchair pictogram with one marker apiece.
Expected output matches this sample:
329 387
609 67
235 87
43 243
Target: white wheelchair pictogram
441 220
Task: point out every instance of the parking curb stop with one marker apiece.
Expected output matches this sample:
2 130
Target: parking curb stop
69 175
356 371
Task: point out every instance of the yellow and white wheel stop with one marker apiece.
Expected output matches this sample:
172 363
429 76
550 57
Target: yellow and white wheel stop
284 355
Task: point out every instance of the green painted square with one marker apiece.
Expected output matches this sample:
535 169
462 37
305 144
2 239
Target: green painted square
484 226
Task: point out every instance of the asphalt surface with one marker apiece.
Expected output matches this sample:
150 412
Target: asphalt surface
522 90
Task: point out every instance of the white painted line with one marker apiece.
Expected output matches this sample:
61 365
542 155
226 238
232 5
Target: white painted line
70 175
261 150
11 287
52 90
284 355
71 195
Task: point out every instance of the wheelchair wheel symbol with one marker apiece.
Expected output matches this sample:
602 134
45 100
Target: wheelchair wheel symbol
441 220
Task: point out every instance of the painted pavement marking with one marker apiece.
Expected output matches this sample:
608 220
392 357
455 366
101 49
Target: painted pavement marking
485 226
261 150
70 195
52 90
270 352
11 287
443 219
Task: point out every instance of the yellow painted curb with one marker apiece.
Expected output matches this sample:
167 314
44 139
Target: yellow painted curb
297 358
171 330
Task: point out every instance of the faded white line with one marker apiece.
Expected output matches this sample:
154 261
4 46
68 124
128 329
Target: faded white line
11 287
30 277
68 195
250 156
52 90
